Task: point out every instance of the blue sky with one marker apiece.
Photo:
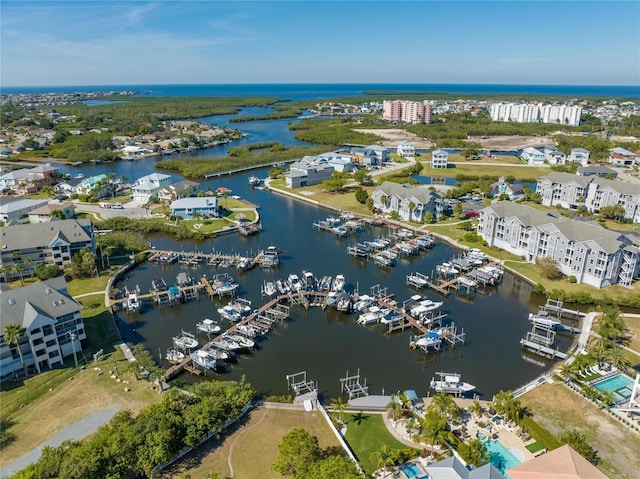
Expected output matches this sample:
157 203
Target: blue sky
106 42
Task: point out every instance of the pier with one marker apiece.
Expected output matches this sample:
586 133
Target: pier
352 386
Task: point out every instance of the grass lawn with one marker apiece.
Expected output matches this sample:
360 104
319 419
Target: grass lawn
633 325
558 409
478 168
80 286
366 433
252 446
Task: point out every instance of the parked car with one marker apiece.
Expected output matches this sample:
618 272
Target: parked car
472 214
116 206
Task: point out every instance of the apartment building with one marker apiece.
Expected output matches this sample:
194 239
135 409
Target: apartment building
407 111
594 255
535 112
52 324
593 192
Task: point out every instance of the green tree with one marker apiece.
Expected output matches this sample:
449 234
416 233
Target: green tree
613 212
337 181
616 356
506 403
82 264
332 467
363 177
476 408
12 334
297 451
382 457
457 209
578 442
428 218
339 406
549 268
394 408
444 406
475 453
434 429
362 196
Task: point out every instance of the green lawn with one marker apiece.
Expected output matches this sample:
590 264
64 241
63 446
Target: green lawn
80 286
366 433
478 168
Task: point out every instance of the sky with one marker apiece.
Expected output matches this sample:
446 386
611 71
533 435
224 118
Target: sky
103 42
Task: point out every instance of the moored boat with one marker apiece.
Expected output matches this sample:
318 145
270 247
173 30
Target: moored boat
229 313
338 283
185 340
203 359
174 356
208 326
450 383
133 303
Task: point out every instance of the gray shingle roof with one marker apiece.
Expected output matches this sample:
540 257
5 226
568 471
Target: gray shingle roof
422 193
561 177
24 236
622 187
31 305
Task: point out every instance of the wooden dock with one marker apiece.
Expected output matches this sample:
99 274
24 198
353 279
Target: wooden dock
542 350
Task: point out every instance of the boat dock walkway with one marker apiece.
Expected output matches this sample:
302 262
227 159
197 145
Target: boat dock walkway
196 257
445 285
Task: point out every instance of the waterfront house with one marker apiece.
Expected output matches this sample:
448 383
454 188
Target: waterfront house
406 150
309 170
439 159
27 179
52 324
597 170
584 250
621 157
563 462
94 185
454 468
579 155
411 202
68 186
502 187
48 212
148 186
592 192
554 156
533 156
181 189
54 242
204 206
17 209
371 155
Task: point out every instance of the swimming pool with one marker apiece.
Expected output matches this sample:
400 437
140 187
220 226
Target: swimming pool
620 385
412 470
501 457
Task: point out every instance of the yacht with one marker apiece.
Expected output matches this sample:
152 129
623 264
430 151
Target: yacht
543 319
325 283
218 354
242 306
309 280
244 341
208 326
174 356
254 181
344 303
226 288
451 383
447 269
372 316
269 289
363 302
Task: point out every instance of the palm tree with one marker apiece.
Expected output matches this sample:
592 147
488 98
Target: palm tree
339 405
476 408
444 406
382 457
568 370
412 206
12 335
394 407
434 431
27 265
477 453
616 355
18 268
505 402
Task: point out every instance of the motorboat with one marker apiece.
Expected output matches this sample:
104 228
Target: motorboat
249 331
425 241
79 176
332 298
218 354
243 263
372 316
203 359
424 306
158 285
174 355
229 313
269 289
243 341
225 343
226 288
391 317
467 282
208 326
344 302
133 303
476 253
447 269
254 181
338 283
185 340
451 383
294 283
363 302
309 280
418 280
325 283
430 340
242 306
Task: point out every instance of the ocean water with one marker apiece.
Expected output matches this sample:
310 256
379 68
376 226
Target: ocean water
311 91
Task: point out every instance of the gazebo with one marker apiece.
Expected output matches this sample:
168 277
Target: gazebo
561 463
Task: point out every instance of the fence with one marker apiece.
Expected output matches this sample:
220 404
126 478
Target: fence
341 440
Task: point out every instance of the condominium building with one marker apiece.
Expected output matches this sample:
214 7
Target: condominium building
592 254
407 111
535 112
52 323
592 192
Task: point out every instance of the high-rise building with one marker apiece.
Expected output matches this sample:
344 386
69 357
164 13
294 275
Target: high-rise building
407 111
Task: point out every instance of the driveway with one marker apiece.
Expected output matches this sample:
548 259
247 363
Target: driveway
106 213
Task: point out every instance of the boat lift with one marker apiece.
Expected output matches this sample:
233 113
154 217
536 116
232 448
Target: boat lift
298 383
351 384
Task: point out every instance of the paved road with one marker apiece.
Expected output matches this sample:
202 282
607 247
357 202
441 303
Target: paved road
85 426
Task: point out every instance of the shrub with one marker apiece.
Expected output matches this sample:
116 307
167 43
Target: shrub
573 279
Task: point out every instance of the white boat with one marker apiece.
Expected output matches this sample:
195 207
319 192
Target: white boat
218 354
391 317
242 306
338 283
426 341
332 298
208 326
344 302
424 306
325 283
372 316
243 263
79 176
243 341
203 359
309 280
451 383
363 303
229 313
249 331
468 282
476 253
283 287
174 356
226 343
269 289
254 181
294 283
133 303
226 287
417 280
543 318
447 269
185 341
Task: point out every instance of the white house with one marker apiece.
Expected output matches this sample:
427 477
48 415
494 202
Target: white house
308 171
439 159
579 155
148 186
554 156
406 150
411 202
186 208
52 324
533 156
502 187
